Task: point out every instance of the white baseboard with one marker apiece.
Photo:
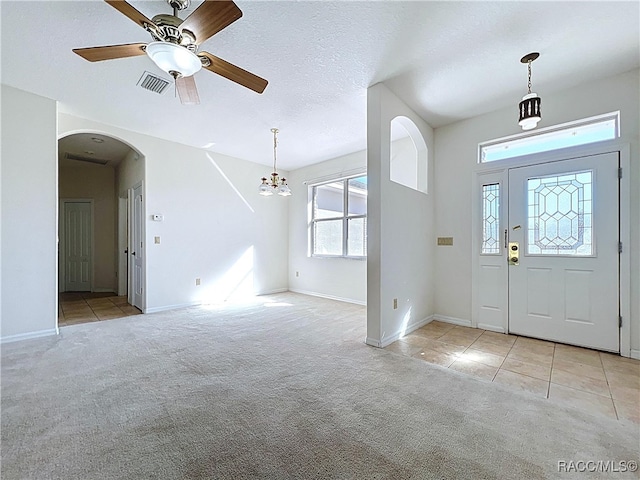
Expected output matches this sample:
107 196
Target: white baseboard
272 292
164 308
27 336
389 340
453 320
635 354
330 297
104 290
491 328
373 342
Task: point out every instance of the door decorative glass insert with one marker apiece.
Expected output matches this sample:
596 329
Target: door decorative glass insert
560 215
491 219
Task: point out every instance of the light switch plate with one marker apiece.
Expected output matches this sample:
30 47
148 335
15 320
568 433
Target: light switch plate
448 241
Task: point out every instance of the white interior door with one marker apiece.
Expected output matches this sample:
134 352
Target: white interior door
77 245
137 247
123 243
564 217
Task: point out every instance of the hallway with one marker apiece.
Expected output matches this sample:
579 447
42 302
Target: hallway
84 307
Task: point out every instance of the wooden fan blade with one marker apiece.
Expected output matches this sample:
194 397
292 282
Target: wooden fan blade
110 52
235 74
129 11
211 17
187 90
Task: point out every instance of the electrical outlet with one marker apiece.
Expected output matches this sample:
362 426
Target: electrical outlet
156 240
197 281
297 274
395 303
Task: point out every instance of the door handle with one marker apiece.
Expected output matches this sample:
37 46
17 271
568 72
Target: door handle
133 253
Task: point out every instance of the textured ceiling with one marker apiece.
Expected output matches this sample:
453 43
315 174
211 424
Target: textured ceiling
447 60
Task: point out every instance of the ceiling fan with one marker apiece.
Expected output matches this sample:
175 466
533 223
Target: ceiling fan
174 48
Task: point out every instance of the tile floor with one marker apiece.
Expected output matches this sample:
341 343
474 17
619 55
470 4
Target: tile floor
83 307
599 382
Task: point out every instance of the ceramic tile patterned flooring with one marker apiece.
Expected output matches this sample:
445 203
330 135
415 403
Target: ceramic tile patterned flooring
83 307
598 382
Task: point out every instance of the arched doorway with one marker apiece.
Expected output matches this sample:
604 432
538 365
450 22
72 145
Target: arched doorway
97 174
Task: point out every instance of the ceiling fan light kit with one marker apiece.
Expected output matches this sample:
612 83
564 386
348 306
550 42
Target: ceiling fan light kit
529 107
174 48
174 59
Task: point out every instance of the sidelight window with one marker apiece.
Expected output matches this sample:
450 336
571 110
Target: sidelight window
491 219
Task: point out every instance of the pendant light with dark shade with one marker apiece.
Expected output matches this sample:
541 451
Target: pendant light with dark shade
530 105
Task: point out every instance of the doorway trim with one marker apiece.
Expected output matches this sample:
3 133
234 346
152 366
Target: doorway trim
62 256
131 248
497 172
140 156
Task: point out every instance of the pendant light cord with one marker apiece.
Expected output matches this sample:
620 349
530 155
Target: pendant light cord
529 84
275 146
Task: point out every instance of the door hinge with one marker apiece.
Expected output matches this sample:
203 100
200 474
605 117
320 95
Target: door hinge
620 172
620 321
619 247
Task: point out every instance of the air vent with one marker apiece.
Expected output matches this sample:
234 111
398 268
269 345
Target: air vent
71 156
153 83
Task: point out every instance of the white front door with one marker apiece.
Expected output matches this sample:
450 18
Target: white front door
77 246
137 247
564 222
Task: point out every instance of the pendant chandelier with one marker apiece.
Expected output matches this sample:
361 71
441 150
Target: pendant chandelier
530 105
274 184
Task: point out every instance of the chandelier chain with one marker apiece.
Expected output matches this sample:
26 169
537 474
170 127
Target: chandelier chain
275 147
529 84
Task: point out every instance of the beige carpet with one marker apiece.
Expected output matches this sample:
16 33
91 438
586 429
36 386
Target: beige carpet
283 387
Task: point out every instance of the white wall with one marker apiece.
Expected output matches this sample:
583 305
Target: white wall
216 227
129 173
400 230
341 278
29 215
95 182
456 158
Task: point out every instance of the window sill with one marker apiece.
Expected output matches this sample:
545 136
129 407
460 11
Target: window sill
345 257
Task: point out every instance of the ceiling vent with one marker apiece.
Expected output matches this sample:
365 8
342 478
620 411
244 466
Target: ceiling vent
153 83
97 161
